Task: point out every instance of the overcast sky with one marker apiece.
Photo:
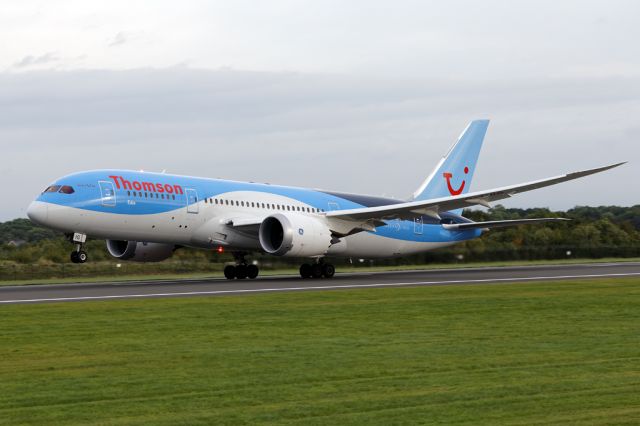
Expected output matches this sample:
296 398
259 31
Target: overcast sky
360 96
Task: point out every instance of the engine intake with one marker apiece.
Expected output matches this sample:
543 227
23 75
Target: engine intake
294 235
139 251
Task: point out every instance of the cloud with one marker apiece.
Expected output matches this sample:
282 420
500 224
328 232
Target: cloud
352 133
30 61
119 39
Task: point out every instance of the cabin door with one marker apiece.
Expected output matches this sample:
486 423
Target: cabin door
192 200
417 225
108 193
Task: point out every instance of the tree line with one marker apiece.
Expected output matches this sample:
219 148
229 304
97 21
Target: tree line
594 232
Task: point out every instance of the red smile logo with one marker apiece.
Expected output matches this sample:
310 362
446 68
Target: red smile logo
448 177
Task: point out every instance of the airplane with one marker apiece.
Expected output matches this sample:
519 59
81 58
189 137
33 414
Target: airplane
146 216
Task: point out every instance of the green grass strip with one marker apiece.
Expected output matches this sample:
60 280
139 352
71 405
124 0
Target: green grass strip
543 353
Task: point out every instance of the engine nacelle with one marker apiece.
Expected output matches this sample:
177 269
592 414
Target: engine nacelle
139 252
294 235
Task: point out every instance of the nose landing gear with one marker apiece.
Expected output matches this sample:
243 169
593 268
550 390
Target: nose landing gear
78 255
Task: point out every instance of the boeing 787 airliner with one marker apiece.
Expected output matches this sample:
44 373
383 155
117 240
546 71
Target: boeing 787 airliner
147 216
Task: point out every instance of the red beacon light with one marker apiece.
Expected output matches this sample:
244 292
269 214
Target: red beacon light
220 249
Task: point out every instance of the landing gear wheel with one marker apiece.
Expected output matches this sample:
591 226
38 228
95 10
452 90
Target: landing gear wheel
230 272
328 270
252 271
82 256
316 270
241 272
74 257
305 270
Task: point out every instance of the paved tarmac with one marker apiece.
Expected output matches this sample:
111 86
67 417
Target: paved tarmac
217 287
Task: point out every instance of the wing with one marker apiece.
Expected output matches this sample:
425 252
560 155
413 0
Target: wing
368 218
500 223
249 225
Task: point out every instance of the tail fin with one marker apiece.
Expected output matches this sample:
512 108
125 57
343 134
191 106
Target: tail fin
453 174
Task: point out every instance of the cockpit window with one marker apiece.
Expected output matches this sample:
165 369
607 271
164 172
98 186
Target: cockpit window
66 189
52 188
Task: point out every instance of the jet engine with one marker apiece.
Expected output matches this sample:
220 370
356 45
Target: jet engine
294 235
140 252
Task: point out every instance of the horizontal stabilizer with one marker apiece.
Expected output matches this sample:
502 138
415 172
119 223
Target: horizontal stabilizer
500 223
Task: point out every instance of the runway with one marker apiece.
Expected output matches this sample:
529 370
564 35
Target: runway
219 287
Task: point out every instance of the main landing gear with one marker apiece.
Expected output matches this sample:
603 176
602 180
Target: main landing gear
317 270
241 270
78 255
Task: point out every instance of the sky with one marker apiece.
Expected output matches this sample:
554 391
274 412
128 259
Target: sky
358 96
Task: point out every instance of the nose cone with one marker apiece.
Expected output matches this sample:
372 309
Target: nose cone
38 212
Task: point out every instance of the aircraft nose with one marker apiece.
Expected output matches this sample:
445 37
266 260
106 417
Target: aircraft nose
38 212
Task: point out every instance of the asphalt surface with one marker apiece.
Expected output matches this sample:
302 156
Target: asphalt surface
218 287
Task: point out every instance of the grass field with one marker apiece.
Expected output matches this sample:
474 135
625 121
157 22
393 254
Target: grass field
544 353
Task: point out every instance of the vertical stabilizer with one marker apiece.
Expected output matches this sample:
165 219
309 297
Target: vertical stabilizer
453 174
